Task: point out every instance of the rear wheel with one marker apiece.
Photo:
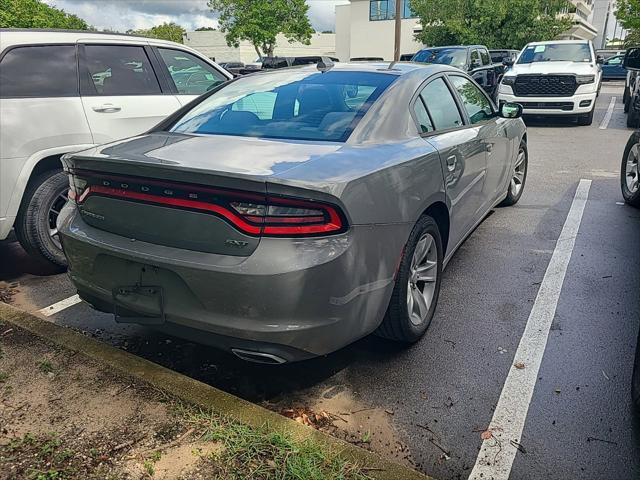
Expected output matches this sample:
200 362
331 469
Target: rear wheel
629 181
518 178
36 223
417 287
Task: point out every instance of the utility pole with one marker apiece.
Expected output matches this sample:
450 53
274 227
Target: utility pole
396 51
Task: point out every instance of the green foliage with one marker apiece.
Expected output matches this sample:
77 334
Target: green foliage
205 29
167 31
260 21
35 14
495 23
628 15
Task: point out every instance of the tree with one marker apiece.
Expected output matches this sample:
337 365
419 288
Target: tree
167 31
35 14
260 22
628 14
496 23
205 29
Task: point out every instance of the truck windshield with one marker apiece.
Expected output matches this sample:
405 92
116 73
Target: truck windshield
556 52
456 57
299 104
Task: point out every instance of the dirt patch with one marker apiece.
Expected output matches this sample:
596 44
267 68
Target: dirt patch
8 291
337 411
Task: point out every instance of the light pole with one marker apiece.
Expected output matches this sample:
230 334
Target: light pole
396 50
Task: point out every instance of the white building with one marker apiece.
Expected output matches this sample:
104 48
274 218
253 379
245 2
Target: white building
581 12
212 43
365 28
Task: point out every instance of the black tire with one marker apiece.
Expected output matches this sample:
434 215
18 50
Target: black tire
586 119
632 198
33 222
397 325
635 381
625 99
633 118
512 197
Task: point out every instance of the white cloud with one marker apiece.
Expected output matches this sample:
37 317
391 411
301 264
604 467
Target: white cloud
122 15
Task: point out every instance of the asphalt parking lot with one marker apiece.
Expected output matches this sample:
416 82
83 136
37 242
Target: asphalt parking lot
428 405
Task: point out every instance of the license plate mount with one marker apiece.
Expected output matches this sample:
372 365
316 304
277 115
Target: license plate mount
140 304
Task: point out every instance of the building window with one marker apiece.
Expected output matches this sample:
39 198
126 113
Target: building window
386 9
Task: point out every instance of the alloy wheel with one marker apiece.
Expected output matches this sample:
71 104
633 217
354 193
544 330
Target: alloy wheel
519 172
423 274
631 170
54 210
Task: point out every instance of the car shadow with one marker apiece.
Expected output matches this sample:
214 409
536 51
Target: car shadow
15 262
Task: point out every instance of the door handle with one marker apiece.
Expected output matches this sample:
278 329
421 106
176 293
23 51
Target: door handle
451 163
489 147
106 108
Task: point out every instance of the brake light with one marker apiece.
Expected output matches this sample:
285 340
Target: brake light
250 213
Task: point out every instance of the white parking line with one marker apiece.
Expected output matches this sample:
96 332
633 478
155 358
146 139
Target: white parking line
608 115
59 306
498 452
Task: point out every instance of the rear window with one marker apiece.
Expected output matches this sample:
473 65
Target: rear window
47 71
297 105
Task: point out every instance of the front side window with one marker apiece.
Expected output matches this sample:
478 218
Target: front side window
456 57
190 75
474 101
120 70
39 71
556 52
614 61
297 105
441 104
475 58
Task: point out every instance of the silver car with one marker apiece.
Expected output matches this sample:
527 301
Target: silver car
287 214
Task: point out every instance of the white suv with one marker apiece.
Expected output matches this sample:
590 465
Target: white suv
67 91
559 77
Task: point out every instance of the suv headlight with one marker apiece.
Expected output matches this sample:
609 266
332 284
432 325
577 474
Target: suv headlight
585 79
510 80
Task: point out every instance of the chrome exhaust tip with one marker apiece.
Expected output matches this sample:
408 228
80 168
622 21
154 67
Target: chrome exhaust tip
258 357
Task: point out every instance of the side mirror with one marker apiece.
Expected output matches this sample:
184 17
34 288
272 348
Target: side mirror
508 62
510 110
599 60
632 59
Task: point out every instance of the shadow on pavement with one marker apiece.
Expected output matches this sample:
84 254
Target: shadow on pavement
15 262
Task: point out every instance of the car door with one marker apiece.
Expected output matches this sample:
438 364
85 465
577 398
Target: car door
492 135
462 154
612 68
120 90
188 75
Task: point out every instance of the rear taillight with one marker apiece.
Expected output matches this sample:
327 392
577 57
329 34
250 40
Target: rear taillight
250 213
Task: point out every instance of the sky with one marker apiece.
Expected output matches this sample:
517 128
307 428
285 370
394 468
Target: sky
122 15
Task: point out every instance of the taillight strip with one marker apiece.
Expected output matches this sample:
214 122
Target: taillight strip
175 202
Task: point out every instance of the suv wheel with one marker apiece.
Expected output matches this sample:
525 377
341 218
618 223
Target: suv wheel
415 295
36 223
629 181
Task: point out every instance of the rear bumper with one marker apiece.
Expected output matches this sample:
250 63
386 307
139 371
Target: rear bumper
291 298
577 104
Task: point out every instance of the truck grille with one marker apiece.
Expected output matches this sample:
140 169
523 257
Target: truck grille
545 85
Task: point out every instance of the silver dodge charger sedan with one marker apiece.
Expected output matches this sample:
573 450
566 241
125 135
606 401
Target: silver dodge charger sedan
287 214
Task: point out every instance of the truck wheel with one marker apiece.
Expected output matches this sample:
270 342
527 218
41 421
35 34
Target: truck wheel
629 181
35 226
417 287
586 118
633 118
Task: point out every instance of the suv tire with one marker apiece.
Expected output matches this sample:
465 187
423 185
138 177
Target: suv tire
586 119
37 215
629 161
400 324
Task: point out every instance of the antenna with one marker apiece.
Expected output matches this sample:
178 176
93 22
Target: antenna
325 64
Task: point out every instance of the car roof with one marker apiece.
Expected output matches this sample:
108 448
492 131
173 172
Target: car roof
21 36
554 42
389 68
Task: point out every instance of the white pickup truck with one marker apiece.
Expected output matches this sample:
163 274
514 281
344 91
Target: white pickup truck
560 77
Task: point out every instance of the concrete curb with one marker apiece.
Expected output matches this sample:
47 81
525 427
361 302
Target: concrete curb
199 393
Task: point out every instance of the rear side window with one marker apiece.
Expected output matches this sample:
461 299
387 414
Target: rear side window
190 75
120 70
486 59
422 116
442 107
47 71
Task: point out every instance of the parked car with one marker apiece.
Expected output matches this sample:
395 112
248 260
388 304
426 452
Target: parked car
66 91
473 59
288 213
367 59
233 68
605 54
505 57
560 77
613 68
630 185
406 57
631 96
